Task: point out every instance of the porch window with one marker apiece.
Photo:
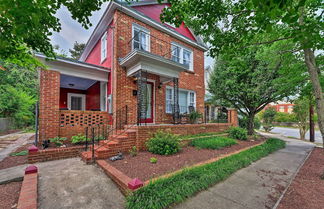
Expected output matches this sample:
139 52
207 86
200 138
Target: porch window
104 47
186 98
141 38
76 101
182 55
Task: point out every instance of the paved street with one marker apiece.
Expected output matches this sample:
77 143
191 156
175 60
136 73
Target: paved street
294 132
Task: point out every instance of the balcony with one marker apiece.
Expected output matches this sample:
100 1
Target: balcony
156 56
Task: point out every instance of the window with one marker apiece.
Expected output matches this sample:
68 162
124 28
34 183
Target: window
281 109
104 47
76 101
182 55
187 98
141 38
103 96
109 100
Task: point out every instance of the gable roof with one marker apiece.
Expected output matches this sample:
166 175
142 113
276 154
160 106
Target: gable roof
125 8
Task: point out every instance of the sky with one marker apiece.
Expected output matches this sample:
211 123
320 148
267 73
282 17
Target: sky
73 31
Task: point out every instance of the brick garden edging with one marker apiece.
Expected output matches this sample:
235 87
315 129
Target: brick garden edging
28 193
123 180
35 155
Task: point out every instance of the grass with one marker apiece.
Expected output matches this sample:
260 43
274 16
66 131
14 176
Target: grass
215 142
175 189
186 137
21 153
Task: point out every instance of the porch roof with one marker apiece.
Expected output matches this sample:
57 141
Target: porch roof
155 64
75 68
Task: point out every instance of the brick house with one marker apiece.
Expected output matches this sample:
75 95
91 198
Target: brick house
135 71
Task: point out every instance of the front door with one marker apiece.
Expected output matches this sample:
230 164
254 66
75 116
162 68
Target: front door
149 101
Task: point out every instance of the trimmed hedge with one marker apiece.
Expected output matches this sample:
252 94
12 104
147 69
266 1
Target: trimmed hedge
216 142
175 189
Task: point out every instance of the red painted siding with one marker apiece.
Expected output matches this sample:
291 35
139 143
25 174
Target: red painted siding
93 97
154 11
63 95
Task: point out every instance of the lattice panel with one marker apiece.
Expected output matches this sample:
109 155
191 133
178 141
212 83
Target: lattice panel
70 118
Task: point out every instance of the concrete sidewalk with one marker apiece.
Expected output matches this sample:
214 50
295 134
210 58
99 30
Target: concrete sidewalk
23 139
257 186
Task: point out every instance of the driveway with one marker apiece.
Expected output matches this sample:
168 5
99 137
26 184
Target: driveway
257 186
71 184
294 132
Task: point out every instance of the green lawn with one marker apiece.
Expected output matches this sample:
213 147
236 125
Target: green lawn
174 189
215 142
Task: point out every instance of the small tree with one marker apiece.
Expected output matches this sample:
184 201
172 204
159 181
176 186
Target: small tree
268 118
301 110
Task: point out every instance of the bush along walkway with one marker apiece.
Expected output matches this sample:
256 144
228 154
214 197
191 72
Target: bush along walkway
257 186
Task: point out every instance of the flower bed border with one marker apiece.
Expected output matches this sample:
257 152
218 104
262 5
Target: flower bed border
122 179
28 193
35 155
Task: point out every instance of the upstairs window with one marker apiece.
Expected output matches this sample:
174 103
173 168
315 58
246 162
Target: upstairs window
182 55
104 47
141 38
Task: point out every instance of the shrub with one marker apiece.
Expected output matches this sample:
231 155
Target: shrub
78 139
165 192
213 142
194 116
243 122
163 143
285 117
133 152
153 160
268 118
58 141
237 133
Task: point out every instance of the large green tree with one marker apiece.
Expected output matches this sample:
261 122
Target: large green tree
27 25
229 25
252 78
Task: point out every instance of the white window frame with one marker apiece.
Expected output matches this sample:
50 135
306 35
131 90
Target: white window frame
83 96
181 54
172 93
103 48
146 31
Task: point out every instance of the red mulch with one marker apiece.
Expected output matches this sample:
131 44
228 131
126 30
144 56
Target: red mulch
12 161
307 189
141 167
9 195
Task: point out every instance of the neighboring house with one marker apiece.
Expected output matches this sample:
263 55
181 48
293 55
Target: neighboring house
134 70
284 107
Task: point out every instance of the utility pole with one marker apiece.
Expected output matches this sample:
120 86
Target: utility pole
311 121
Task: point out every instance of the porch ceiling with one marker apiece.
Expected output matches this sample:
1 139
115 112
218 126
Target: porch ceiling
141 60
72 82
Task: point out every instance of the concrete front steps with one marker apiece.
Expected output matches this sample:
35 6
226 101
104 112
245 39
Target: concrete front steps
122 141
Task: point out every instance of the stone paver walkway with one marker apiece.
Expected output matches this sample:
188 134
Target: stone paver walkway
23 138
257 186
70 183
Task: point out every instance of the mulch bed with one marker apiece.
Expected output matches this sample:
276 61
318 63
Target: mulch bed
12 161
141 167
9 194
307 189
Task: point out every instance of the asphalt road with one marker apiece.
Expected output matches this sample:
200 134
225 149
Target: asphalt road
294 132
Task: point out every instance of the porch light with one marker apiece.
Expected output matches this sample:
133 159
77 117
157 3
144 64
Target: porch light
160 85
71 84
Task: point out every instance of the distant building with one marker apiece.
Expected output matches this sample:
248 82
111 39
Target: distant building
281 106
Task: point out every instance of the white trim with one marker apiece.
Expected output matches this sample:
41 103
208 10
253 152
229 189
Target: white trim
103 47
146 32
188 97
181 54
107 18
103 94
83 96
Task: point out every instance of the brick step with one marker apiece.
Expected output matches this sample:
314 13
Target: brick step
86 156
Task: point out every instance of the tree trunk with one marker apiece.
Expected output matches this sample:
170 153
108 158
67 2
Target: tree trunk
251 124
318 93
311 122
302 132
